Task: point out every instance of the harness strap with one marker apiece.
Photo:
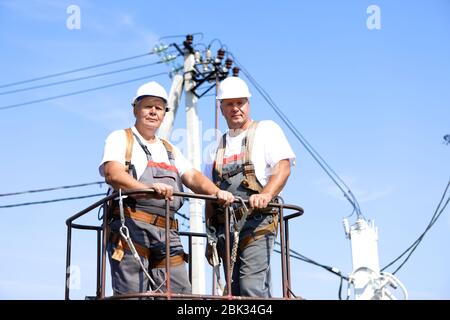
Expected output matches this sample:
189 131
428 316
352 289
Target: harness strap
250 181
174 261
169 149
167 146
143 252
258 233
219 157
149 218
129 149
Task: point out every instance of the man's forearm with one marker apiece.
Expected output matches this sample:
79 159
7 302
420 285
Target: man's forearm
116 176
198 183
278 179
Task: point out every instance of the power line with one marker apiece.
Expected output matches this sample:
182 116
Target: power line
298 256
53 188
78 92
335 271
415 244
50 201
186 218
180 36
81 78
76 70
183 216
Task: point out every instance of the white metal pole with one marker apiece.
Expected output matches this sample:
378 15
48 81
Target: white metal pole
165 129
194 155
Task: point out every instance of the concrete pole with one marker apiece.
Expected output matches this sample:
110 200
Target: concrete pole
174 99
194 155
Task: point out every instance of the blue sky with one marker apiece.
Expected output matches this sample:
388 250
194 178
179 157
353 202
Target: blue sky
373 103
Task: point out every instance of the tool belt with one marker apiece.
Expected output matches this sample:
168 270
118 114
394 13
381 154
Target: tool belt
146 217
144 252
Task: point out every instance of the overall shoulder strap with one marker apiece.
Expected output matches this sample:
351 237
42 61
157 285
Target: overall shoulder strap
143 146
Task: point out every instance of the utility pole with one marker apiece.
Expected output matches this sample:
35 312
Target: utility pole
198 72
194 155
172 105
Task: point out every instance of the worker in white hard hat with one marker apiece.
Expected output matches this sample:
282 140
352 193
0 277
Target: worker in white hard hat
252 160
136 158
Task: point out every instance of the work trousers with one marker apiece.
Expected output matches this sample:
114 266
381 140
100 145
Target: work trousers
127 275
251 273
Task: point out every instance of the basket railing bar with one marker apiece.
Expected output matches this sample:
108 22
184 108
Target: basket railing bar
102 234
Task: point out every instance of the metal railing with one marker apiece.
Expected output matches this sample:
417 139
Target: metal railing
102 242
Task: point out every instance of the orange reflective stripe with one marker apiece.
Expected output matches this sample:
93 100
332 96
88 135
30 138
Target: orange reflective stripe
233 158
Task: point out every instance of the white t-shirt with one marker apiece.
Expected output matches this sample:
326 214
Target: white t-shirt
269 147
115 148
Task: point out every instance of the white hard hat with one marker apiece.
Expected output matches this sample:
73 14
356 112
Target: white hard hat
233 87
153 89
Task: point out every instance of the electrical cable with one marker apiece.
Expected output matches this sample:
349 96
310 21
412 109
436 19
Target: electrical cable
214 40
415 244
62 199
298 256
76 70
53 188
78 92
82 78
181 36
51 201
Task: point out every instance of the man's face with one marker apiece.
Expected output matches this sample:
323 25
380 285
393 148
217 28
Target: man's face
236 112
149 112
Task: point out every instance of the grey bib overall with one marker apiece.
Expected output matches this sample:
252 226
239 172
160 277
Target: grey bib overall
145 219
251 272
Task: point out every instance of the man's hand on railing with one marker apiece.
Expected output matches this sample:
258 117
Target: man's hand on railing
224 198
259 201
162 191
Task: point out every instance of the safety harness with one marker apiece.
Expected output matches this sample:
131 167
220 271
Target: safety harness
237 175
122 240
247 168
